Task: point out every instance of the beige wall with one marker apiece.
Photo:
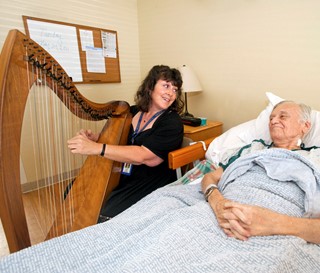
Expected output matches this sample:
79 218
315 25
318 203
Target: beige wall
240 49
120 15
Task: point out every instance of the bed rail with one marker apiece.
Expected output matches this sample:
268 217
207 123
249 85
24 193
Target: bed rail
188 155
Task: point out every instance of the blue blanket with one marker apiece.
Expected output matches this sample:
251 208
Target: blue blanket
174 230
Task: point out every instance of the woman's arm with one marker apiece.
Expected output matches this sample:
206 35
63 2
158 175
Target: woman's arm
137 155
245 221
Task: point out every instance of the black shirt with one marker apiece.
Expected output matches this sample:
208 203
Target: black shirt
166 135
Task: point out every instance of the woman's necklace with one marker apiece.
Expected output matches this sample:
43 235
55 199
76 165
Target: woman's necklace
146 119
138 130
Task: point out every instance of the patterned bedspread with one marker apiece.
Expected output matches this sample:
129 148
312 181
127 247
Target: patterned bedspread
174 229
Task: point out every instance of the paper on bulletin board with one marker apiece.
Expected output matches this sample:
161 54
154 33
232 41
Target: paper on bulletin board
95 60
109 44
61 42
86 39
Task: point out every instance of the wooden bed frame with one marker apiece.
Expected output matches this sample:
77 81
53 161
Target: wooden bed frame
188 155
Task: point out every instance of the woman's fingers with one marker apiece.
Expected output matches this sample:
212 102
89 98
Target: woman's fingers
78 143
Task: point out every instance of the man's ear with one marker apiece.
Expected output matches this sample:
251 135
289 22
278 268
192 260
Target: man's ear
307 127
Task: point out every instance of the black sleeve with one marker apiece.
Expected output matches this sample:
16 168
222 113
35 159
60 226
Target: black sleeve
166 135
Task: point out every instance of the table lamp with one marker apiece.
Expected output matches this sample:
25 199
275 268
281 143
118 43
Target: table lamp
190 84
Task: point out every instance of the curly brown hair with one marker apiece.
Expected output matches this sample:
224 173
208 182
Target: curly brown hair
159 72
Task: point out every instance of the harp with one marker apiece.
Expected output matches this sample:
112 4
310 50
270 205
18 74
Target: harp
26 69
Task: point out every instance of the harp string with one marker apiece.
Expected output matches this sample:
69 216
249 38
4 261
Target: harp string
61 155
33 121
51 145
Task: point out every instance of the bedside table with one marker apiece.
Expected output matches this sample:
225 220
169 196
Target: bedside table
212 129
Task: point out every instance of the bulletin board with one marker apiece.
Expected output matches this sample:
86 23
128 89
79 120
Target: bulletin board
87 54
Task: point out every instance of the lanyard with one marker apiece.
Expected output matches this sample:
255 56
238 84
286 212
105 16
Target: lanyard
137 131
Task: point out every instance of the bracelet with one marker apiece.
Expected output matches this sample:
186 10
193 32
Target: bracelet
103 149
209 190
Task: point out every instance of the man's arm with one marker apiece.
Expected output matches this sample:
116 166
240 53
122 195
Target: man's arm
215 199
211 178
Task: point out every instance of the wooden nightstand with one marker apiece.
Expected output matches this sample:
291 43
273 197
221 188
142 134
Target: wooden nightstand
212 129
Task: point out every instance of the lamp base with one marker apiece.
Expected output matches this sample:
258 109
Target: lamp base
191 121
186 114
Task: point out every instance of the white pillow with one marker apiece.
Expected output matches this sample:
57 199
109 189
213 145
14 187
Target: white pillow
258 128
313 137
229 141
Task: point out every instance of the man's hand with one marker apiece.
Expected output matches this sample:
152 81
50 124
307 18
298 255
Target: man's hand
243 221
227 220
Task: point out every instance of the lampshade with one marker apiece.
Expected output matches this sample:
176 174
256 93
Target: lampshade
190 80
190 84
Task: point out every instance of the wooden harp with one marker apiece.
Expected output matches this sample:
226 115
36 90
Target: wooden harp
26 66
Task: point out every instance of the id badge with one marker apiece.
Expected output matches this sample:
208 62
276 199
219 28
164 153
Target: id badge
126 169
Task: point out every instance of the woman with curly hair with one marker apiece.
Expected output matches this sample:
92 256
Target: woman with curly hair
156 130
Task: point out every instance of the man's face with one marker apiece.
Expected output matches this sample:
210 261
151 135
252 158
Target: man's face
285 123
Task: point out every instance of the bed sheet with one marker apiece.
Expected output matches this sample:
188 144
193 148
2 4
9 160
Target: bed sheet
174 230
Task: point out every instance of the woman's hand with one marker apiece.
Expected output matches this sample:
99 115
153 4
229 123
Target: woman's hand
84 143
89 134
